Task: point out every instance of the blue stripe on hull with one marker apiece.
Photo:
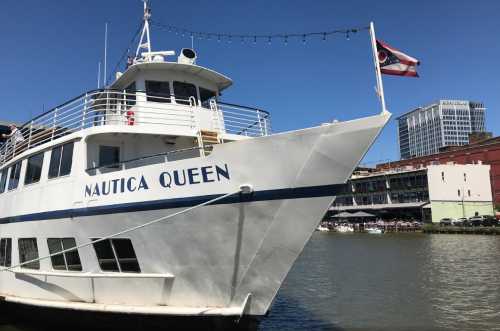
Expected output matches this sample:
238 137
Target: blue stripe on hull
266 195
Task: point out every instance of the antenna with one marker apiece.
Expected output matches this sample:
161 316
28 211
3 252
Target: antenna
145 41
99 75
105 54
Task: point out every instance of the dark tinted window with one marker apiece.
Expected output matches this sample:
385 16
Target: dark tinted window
15 172
5 252
61 160
130 94
126 255
3 179
66 261
158 91
183 91
28 250
66 160
117 255
105 256
109 155
34 169
206 96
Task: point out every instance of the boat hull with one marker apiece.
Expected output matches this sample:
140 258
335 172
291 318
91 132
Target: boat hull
228 258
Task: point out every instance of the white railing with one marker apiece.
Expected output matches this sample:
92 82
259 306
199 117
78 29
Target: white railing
111 107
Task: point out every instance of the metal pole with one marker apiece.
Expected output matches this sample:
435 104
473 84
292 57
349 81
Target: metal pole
99 75
104 82
380 86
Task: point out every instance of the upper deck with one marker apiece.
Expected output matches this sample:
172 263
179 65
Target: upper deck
140 112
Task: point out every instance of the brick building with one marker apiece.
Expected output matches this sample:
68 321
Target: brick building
486 151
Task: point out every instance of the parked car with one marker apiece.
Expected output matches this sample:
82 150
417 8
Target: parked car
475 221
446 221
460 222
489 221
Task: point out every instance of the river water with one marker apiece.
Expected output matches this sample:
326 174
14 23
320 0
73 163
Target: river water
392 282
377 282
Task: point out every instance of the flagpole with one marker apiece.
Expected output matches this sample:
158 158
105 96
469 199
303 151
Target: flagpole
380 86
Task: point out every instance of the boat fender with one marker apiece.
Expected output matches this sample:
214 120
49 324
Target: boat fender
130 117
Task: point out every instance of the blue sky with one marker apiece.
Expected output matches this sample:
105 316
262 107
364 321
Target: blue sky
51 49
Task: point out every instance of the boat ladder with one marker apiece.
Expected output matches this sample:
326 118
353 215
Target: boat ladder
206 140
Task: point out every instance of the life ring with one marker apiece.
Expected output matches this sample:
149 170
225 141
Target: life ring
130 117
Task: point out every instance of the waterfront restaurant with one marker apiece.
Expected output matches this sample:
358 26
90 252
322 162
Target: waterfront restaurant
420 193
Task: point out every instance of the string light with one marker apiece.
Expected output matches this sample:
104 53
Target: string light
321 35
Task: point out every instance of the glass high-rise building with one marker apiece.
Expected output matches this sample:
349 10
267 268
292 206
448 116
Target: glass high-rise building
425 130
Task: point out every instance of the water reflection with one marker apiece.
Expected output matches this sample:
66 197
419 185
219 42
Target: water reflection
462 280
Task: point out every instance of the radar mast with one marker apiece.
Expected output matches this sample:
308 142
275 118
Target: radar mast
145 41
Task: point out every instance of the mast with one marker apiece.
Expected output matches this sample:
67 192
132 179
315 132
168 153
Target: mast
145 41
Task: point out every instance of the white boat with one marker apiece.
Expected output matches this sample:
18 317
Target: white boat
152 196
322 228
344 228
374 230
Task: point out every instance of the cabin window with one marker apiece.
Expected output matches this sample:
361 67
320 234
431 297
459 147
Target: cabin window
34 169
109 156
15 172
61 161
28 251
130 94
116 255
3 180
5 252
158 91
183 91
69 261
206 96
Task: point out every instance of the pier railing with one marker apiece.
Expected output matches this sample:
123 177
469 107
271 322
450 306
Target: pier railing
134 108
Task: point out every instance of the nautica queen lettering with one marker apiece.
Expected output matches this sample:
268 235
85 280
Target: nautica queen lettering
113 186
193 176
167 179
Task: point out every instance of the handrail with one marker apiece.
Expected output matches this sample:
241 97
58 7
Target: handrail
112 165
111 107
77 274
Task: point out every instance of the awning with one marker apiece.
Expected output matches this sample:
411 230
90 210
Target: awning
362 214
343 215
381 206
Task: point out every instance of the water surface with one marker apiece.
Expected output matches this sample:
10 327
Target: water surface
392 282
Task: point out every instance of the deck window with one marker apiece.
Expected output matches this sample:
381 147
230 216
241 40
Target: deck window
69 261
28 250
130 95
158 91
61 160
3 180
116 255
206 96
183 91
109 156
34 169
5 252
15 172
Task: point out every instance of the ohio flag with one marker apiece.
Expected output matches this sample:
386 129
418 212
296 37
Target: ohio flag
394 62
